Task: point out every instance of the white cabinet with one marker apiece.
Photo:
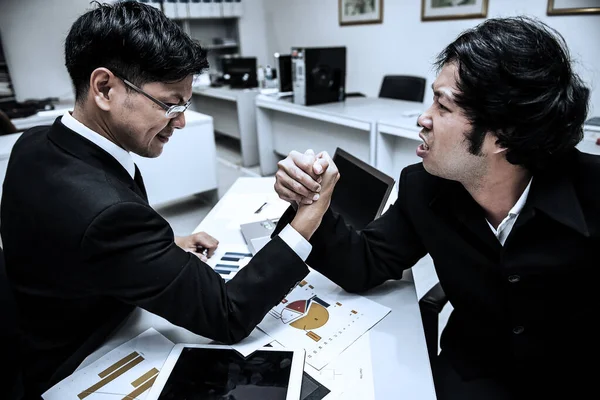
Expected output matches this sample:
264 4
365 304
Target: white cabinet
188 164
194 9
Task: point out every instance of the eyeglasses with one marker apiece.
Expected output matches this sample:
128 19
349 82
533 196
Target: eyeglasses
171 111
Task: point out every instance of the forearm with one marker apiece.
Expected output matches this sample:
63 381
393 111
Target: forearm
200 301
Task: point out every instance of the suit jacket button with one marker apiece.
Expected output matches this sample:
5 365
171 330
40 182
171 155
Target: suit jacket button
514 278
517 330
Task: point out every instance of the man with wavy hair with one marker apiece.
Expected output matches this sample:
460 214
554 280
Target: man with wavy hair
503 202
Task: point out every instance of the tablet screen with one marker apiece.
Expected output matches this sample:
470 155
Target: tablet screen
201 373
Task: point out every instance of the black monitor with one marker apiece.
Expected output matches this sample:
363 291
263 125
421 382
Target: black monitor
362 191
284 67
239 72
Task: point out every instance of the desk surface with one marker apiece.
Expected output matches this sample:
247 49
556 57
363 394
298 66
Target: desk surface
399 354
41 118
364 109
223 93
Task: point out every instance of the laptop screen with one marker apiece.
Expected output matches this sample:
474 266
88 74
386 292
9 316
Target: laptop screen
362 191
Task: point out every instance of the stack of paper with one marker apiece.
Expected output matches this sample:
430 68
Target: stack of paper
128 371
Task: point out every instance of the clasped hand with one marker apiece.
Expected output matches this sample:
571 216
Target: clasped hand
307 182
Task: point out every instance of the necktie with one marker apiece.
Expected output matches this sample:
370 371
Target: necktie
139 182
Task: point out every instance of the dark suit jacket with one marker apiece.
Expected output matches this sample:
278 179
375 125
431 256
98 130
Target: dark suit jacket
519 310
83 247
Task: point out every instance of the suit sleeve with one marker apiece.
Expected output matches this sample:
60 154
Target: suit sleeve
130 254
361 260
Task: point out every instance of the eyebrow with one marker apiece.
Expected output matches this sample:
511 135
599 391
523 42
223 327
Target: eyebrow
445 94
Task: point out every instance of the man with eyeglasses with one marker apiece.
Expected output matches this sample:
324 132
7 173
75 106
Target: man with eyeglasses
82 245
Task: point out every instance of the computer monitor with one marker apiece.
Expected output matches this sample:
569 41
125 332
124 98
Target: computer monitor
283 63
239 72
361 193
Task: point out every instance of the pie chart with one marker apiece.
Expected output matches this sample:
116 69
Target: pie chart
306 314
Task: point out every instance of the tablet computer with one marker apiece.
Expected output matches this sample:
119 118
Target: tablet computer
202 371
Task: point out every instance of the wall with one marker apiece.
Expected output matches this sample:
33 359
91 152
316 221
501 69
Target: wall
33 33
403 44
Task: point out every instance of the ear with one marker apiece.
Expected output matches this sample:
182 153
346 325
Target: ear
491 145
102 88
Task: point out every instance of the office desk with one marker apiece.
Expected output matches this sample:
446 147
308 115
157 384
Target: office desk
283 126
41 118
233 115
399 354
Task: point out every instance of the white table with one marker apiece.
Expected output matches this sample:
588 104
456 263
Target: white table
283 126
398 350
233 115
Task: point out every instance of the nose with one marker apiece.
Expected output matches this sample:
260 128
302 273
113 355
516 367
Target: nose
179 121
425 120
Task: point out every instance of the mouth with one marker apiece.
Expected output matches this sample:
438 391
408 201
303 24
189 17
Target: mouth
164 137
423 148
425 145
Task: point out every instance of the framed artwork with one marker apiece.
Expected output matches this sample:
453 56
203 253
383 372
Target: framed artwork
565 7
437 10
356 12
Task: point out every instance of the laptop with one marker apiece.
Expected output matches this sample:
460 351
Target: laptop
359 197
257 234
361 193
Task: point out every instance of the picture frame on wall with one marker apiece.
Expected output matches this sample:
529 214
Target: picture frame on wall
571 7
439 10
359 12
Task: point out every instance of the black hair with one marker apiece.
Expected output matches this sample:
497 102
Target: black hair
515 80
133 40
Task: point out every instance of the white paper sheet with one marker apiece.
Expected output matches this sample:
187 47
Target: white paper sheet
128 370
322 322
350 375
253 342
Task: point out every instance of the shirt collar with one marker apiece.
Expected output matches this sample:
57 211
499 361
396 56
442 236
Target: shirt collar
122 156
516 209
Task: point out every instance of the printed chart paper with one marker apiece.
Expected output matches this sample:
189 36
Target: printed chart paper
319 323
128 371
228 259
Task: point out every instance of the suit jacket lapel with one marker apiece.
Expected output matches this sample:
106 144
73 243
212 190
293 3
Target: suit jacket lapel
78 146
460 209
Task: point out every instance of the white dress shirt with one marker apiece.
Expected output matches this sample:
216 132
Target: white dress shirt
507 223
120 154
289 235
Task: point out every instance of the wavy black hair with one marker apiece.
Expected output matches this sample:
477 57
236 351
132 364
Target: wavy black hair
516 80
134 40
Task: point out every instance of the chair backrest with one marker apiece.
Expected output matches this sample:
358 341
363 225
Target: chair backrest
403 87
6 125
10 382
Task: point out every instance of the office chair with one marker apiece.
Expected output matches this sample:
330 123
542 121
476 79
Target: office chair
6 125
431 305
10 381
403 87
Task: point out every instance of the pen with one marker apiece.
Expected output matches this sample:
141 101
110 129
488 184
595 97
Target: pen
260 208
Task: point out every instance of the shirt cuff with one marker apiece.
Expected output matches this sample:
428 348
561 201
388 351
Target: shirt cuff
296 242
